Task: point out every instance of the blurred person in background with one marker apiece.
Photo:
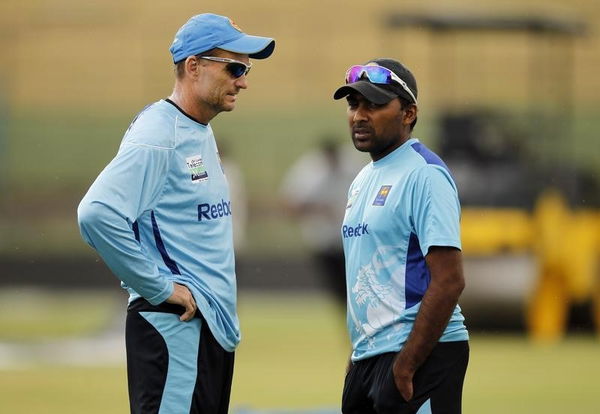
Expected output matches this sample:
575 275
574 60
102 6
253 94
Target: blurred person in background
314 192
161 218
401 239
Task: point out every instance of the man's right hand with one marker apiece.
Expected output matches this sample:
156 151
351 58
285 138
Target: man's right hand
403 378
183 297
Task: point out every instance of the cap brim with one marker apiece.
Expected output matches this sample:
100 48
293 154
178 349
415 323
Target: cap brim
370 91
256 47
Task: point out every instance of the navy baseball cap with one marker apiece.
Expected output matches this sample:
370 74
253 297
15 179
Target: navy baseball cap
208 31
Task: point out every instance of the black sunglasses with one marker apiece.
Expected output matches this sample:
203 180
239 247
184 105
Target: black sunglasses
234 67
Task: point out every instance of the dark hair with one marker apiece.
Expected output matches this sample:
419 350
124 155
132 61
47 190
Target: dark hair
405 103
180 66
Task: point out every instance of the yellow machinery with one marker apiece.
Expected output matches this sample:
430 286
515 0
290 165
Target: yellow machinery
566 244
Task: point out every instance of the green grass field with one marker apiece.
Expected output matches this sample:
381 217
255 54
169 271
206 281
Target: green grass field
292 357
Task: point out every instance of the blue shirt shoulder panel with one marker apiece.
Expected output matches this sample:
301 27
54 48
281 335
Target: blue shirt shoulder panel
429 156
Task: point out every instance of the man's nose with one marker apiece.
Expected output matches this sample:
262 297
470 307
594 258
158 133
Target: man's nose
359 114
242 82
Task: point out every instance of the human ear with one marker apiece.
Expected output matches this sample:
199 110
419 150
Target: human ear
410 114
192 65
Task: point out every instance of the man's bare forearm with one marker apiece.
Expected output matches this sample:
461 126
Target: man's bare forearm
437 305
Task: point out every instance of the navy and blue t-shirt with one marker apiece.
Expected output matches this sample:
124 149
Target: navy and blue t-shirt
398 207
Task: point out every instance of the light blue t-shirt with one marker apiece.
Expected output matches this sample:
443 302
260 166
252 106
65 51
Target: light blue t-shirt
160 213
398 207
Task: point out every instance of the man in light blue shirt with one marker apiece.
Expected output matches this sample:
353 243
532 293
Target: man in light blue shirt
401 239
160 216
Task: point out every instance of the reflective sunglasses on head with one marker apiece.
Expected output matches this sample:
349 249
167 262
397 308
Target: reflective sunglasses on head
234 67
377 74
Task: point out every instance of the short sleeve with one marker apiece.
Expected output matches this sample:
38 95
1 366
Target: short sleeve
435 208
